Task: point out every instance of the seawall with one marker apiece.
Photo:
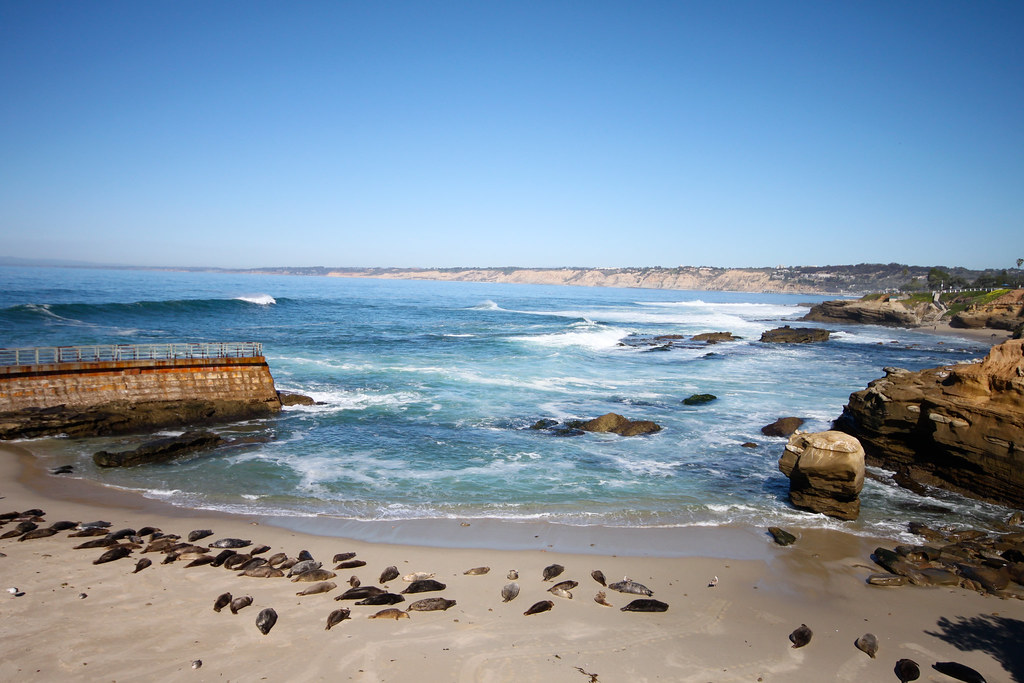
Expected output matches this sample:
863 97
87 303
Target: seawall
88 384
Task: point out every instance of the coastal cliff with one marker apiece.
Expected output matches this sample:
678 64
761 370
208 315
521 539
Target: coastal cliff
880 311
959 427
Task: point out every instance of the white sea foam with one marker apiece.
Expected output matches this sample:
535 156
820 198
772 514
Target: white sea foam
260 299
587 335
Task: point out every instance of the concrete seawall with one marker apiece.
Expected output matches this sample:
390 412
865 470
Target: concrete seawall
88 384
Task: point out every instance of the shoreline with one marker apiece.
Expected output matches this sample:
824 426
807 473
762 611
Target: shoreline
735 631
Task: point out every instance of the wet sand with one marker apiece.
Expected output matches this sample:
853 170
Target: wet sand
154 624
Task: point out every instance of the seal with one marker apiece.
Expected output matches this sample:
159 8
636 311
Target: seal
38 533
389 574
115 553
600 599
341 557
305 555
199 534
266 619
538 607
276 559
354 581
303 566
431 605
222 601
564 585
417 576
907 670
235 561
221 557
230 543
477 571
263 571
337 616
260 549
142 564
513 575
560 592
240 603
382 599
360 592
63 525
801 636
390 613
628 585
253 563
316 588
424 586
350 564
552 570
598 576
509 592
868 644
645 605
314 575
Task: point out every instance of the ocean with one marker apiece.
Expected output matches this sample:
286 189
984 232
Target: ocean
427 391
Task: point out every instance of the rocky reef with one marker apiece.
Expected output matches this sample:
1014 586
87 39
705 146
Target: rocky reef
960 427
826 473
794 335
159 450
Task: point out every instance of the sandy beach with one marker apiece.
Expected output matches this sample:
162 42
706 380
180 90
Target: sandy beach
81 621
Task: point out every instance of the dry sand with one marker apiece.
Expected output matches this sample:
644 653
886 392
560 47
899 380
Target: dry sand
153 624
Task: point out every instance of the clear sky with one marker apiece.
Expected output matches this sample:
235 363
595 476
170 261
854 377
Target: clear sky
632 133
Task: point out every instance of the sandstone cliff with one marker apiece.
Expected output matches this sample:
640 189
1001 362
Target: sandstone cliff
1003 313
882 311
960 427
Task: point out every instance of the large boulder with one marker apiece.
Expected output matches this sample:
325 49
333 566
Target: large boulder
826 473
960 426
613 422
794 335
784 426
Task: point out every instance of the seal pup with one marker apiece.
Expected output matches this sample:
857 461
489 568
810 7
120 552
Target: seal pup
907 670
868 644
598 576
142 564
509 592
538 607
801 636
230 543
417 576
512 575
600 599
390 613
341 557
199 534
240 603
222 601
628 585
431 605
424 586
314 575
382 599
477 571
115 553
960 672
552 570
645 605
266 619
337 616
389 574
322 587
354 581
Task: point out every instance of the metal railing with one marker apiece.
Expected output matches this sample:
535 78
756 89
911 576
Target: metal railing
121 352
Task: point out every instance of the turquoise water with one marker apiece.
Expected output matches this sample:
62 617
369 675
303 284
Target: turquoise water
427 391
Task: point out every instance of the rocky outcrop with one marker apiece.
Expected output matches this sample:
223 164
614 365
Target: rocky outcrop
127 417
159 450
826 473
1004 313
794 335
289 398
714 337
960 427
880 311
784 426
699 399
613 422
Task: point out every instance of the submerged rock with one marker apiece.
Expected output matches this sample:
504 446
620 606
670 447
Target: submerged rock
159 450
613 422
699 399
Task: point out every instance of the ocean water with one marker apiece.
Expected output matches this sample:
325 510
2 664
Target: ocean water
427 391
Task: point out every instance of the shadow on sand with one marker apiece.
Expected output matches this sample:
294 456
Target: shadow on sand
997 636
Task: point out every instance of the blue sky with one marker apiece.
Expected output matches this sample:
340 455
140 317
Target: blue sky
593 133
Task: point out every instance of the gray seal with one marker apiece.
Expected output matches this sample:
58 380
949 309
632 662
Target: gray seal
265 620
431 605
801 636
337 616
